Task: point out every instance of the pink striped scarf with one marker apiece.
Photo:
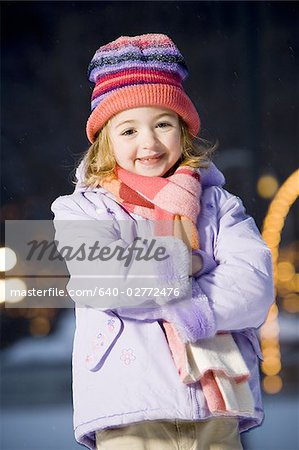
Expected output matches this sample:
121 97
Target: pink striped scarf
173 202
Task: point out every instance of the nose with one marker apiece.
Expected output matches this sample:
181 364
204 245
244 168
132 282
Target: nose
148 139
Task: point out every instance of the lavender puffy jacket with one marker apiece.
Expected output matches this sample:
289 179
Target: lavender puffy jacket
123 371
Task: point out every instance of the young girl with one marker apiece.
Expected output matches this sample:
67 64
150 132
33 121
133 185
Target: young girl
146 182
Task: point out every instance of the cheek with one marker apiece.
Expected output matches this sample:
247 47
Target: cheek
117 148
177 147
116 157
123 154
175 141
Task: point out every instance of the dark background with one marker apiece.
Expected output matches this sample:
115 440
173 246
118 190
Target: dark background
243 63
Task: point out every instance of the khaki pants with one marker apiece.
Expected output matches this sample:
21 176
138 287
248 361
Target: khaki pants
215 434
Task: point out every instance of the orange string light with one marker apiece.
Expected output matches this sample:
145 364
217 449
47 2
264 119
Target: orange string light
283 273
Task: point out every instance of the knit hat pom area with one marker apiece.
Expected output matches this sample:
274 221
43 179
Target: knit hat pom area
131 72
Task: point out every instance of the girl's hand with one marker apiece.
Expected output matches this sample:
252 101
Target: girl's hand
196 264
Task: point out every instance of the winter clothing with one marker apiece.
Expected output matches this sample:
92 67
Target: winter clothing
173 202
123 371
137 71
170 201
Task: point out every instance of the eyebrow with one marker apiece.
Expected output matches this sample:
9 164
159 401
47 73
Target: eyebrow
155 118
123 123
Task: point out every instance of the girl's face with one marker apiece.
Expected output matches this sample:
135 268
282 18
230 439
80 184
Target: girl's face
146 140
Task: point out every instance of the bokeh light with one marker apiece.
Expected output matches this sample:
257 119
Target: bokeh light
285 271
8 259
267 186
272 384
271 364
12 290
285 280
39 326
291 303
2 291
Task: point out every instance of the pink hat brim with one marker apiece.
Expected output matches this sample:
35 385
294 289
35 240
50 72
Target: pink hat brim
161 95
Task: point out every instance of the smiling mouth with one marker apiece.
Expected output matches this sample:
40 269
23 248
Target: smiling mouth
148 159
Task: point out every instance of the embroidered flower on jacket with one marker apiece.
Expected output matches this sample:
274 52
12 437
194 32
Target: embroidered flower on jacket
127 356
99 341
88 358
110 324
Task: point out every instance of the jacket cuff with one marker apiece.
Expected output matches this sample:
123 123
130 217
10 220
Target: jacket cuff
193 319
203 323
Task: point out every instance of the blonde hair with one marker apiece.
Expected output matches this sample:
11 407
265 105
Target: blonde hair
99 162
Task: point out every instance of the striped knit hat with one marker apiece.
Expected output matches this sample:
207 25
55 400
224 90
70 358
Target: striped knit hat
130 72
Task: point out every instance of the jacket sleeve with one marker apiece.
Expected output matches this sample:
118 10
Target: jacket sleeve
110 281
240 288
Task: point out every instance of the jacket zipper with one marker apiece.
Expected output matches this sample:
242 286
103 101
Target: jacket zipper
195 404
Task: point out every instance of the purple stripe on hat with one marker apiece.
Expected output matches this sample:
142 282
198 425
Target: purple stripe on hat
98 100
162 51
109 58
168 67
